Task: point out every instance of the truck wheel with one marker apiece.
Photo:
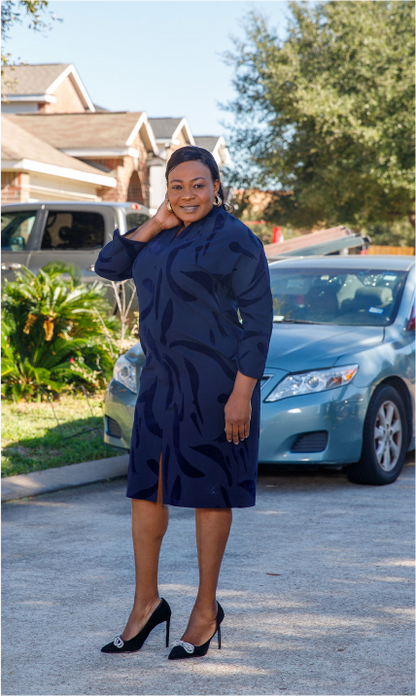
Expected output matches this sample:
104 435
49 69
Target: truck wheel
384 440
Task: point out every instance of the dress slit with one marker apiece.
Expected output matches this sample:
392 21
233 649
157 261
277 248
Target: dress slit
159 497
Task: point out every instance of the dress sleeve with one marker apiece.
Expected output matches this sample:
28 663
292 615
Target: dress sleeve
116 259
250 282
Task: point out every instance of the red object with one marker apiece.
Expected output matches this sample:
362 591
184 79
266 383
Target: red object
277 233
136 206
364 251
411 324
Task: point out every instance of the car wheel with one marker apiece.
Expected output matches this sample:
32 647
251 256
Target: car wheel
384 440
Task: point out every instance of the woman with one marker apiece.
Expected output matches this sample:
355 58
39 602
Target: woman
194 266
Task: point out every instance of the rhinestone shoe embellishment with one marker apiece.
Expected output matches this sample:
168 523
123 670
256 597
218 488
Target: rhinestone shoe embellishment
188 647
118 642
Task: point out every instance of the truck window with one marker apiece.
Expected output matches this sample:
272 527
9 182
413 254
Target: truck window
15 229
135 220
73 230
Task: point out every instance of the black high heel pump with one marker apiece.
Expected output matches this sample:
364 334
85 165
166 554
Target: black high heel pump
161 613
181 649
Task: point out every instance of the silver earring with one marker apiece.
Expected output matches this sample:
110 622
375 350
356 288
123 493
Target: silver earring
169 207
217 201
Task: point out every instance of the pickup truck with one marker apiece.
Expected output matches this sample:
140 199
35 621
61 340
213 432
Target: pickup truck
33 234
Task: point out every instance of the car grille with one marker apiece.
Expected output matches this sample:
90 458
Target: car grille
311 442
112 428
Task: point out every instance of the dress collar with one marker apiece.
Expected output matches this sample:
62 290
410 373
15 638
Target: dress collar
198 224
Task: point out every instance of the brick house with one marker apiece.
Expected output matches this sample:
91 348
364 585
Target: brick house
51 103
116 143
48 89
33 170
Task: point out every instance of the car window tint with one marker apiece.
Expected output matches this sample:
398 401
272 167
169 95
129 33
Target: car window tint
134 220
15 229
349 297
73 230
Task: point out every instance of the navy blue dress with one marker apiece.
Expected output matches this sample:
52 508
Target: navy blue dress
189 289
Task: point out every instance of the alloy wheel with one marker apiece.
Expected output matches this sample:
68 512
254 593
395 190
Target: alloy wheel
388 434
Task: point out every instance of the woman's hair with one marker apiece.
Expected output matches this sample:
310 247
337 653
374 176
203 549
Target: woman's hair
190 153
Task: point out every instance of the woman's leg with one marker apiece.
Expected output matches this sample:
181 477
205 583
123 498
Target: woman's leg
212 530
149 524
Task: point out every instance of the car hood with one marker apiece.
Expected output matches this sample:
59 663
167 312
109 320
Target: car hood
135 354
297 347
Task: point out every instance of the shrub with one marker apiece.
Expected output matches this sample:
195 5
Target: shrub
56 333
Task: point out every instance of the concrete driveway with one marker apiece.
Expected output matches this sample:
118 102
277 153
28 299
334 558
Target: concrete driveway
317 588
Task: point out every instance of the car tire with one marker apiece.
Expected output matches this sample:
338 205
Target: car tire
385 440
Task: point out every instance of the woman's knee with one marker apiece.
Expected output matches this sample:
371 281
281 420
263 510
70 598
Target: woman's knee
149 517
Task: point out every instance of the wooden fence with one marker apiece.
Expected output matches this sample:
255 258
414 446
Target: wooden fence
396 250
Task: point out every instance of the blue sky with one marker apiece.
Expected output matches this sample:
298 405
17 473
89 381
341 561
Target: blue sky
163 57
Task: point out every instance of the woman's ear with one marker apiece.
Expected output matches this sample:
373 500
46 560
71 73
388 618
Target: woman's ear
216 187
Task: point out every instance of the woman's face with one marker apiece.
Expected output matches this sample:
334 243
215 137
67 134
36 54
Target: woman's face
191 191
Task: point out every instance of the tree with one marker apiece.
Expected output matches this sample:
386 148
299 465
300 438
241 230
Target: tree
11 11
325 118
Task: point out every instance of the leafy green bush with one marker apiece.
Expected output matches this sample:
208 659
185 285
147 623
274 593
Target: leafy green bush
56 333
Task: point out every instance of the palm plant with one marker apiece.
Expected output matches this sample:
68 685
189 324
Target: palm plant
56 333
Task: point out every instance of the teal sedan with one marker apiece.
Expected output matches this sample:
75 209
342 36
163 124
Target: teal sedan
339 384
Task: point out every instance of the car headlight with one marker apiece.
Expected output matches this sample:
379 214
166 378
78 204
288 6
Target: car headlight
125 373
312 382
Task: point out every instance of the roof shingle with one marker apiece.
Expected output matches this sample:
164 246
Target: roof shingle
18 144
208 142
306 240
83 130
164 127
31 79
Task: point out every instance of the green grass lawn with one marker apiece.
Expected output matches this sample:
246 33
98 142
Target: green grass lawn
31 439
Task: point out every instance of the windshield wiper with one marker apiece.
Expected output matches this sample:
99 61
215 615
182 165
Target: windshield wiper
295 321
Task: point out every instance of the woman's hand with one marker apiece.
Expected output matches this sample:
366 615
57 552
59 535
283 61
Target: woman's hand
163 220
166 219
237 410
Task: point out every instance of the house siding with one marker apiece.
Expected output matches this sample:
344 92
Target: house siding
67 100
122 169
44 187
15 187
172 147
19 107
22 187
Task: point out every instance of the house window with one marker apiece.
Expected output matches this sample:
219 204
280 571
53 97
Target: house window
15 229
73 230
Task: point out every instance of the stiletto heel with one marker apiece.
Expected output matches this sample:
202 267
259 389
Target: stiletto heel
161 614
167 631
181 649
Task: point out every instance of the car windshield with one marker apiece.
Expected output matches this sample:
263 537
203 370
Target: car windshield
354 297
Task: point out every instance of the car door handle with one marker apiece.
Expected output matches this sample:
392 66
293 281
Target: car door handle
91 268
10 266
